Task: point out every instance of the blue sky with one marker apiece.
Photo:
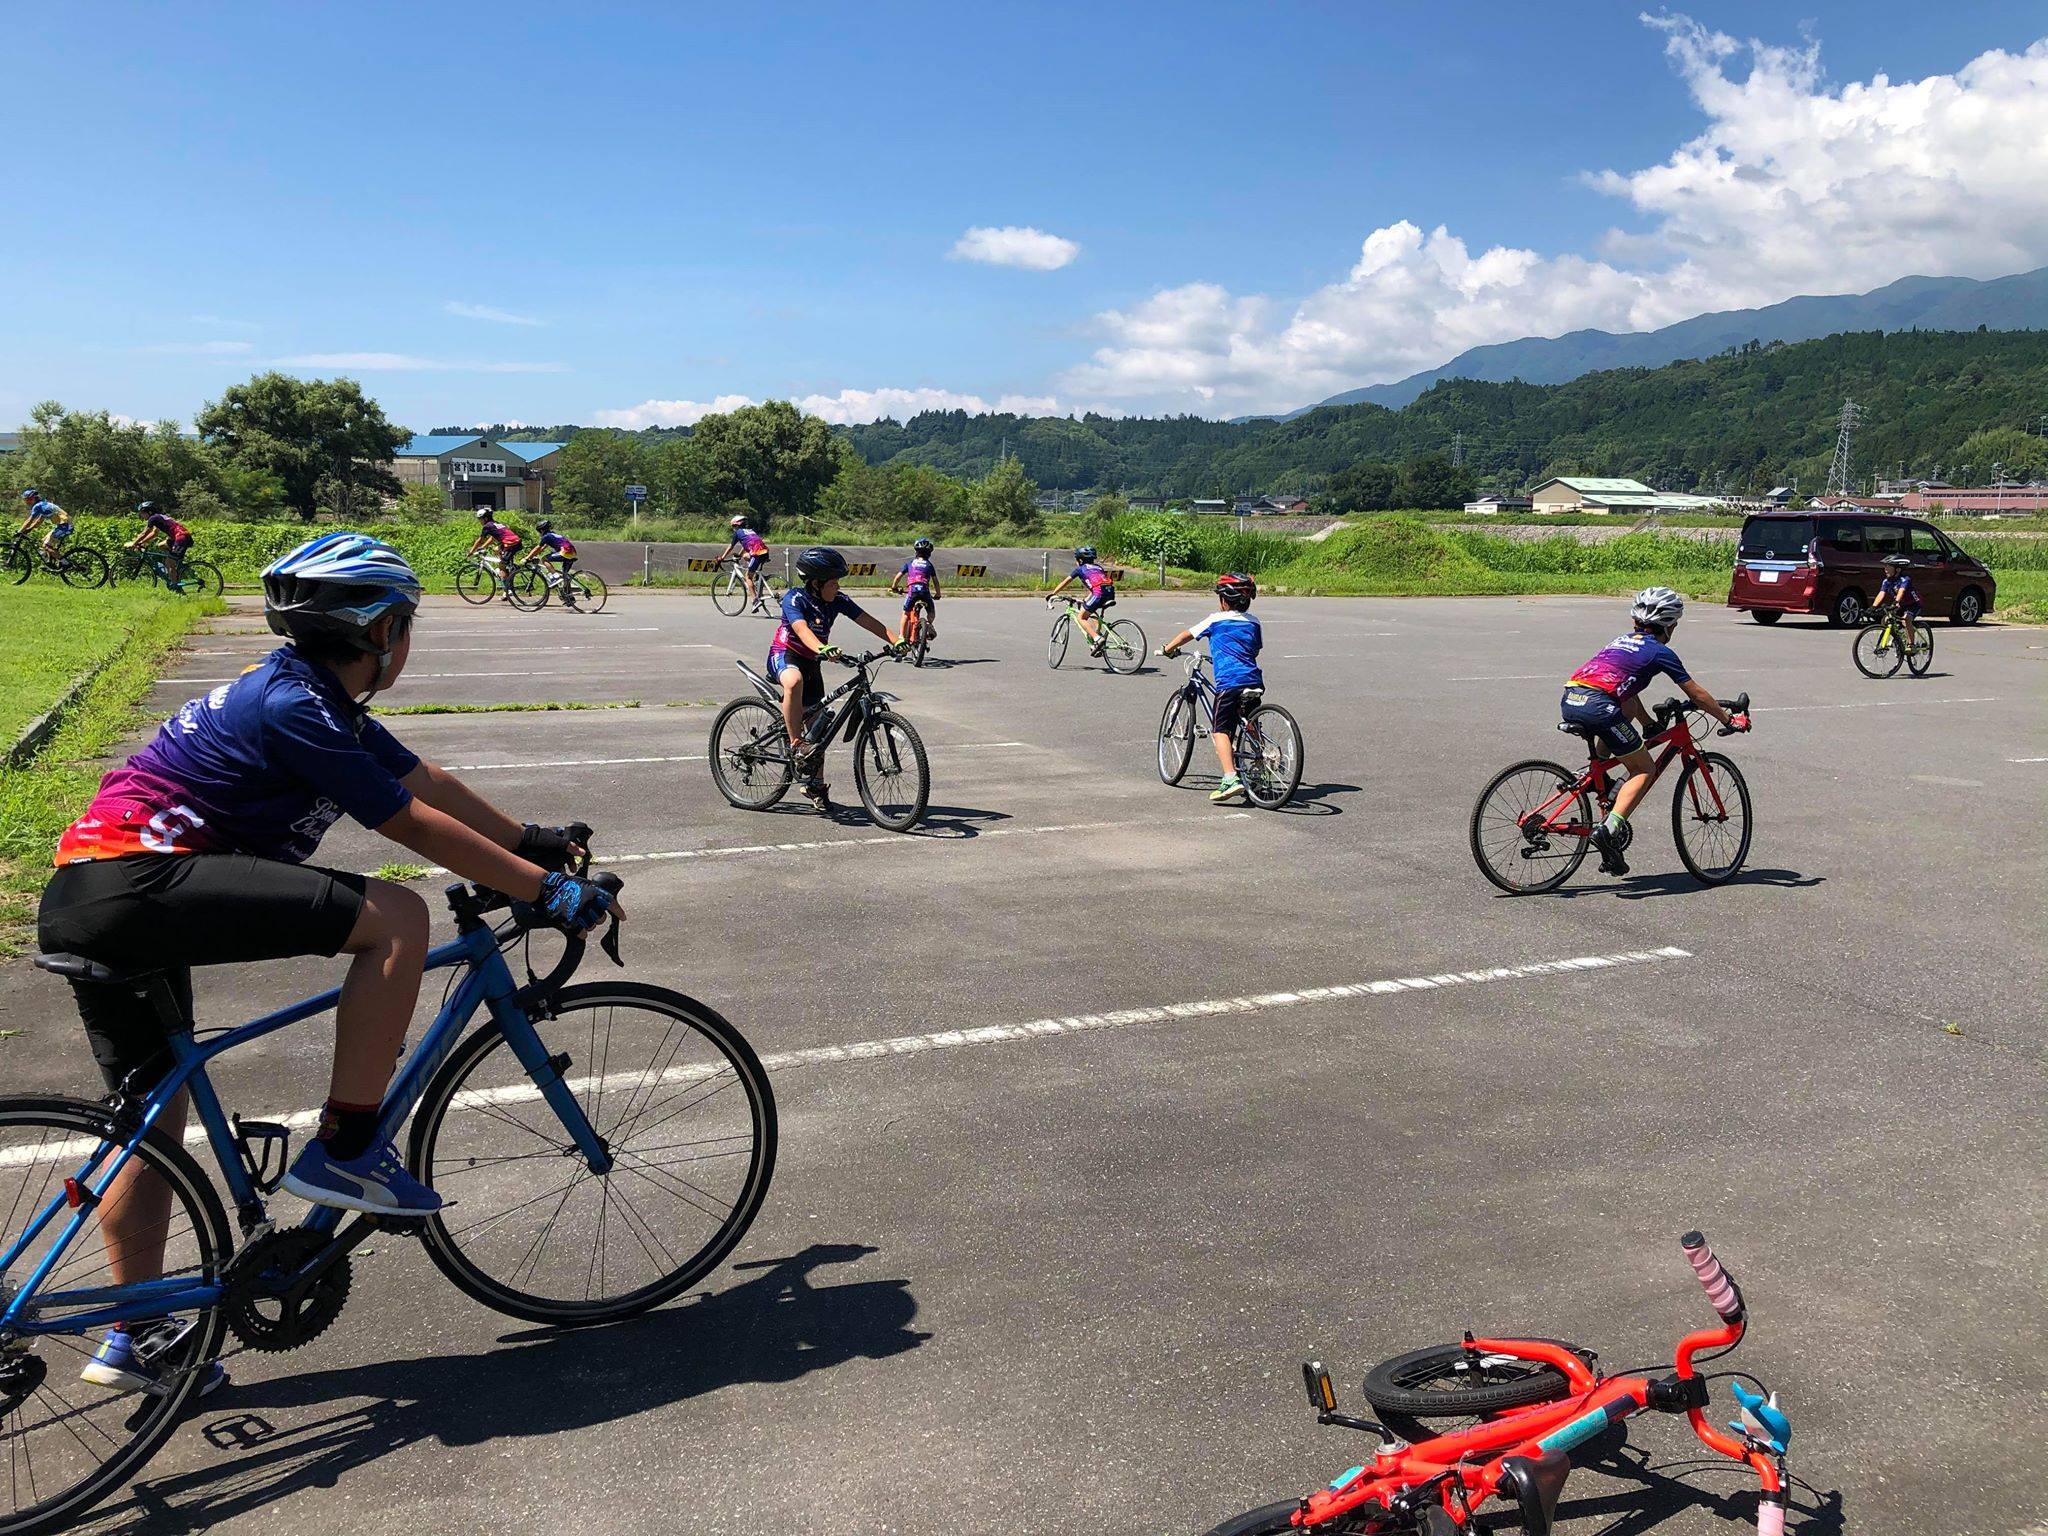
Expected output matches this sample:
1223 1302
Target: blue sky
616 213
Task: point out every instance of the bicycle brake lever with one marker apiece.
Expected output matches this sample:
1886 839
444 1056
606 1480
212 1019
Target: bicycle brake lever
610 944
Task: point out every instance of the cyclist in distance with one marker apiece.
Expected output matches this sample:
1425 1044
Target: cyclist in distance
159 524
1604 694
750 545
41 510
1101 594
557 549
507 541
1898 590
918 580
1235 640
802 640
194 852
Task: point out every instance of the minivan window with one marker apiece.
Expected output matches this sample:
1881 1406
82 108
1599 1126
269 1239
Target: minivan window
1840 533
1926 546
1775 538
1884 538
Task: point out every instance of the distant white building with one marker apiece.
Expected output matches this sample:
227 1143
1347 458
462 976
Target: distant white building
474 470
1586 493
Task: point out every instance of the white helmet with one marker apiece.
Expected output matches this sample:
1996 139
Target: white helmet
1658 606
739 521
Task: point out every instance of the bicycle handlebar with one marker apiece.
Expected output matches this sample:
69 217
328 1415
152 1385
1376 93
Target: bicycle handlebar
1722 1291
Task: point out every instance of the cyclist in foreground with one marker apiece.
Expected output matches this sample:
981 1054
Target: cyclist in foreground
918 581
41 511
556 549
1235 640
802 641
1605 694
1101 594
747 544
194 852
159 524
505 542
1898 592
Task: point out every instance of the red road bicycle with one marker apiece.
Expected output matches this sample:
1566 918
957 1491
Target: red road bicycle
1537 1399
1533 824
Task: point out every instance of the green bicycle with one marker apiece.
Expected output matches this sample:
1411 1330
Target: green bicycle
1123 647
1881 646
196 578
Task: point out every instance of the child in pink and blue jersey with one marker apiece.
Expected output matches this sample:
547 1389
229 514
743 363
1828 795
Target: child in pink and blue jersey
751 548
918 581
1101 594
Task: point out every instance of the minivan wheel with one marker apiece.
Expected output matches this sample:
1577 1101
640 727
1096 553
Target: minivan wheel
1969 606
1765 615
1848 609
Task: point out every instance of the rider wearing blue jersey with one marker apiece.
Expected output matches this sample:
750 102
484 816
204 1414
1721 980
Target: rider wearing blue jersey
1897 591
47 515
802 640
1235 640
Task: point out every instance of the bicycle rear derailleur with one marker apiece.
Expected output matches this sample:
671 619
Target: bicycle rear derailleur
273 1300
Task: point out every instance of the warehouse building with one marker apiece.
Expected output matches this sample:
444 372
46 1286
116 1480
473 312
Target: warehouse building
474 470
1583 493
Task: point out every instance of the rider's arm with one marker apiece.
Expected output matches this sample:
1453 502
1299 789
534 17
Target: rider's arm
142 538
434 834
1707 701
1056 591
1177 642
895 582
874 626
934 585
801 628
448 794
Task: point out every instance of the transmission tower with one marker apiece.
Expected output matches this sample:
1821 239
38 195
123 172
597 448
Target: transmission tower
1838 472
1457 450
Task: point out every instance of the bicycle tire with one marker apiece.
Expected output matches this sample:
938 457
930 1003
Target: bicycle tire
1920 656
885 725
1269 781
631 1099
1176 738
125 565
200 578
1440 1382
19 564
1509 816
38 1123
474 584
590 589
82 568
527 589
1271 1520
1874 652
751 754
1056 646
1685 800
730 596
1122 653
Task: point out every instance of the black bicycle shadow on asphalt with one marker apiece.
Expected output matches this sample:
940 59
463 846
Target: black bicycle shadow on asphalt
1653 1494
773 1328
947 663
1677 882
1308 799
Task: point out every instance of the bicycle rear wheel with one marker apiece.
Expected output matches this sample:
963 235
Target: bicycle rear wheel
749 749
891 772
83 568
588 589
1123 645
1056 647
200 578
679 1100
69 1443
729 596
1710 818
474 584
1268 751
1874 651
1448 1381
1176 737
1920 655
1542 858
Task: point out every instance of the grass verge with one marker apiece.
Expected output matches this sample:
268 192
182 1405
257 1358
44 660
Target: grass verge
402 872
52 636
135 631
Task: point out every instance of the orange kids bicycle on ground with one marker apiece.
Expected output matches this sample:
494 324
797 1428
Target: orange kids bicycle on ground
1537 1399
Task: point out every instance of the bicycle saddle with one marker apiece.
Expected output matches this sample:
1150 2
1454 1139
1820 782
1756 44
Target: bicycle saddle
1761 1419
78 968
1534 1483
1571 728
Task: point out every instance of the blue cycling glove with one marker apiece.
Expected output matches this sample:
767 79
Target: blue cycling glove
572 903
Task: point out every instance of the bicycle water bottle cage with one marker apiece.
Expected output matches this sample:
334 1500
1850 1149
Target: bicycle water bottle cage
1761 1419
264 1147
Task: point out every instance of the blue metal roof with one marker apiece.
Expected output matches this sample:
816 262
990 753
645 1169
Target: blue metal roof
530 451
432 447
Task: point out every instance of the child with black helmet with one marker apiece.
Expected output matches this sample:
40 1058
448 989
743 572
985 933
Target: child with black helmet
918 581
1235 640
1101 587
803 639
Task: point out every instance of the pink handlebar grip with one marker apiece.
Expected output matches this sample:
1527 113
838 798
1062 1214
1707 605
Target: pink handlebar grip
1770 1519
1720 1289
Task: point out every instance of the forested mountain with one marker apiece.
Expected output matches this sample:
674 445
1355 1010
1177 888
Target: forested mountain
2015 303
1757 416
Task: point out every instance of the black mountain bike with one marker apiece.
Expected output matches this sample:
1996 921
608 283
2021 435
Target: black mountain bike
74 564
1267 746
753 766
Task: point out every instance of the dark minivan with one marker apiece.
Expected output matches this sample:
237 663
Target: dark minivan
1832 563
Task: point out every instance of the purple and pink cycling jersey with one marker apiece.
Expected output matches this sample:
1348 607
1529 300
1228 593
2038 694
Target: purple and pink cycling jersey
918 575
1099 581
169 527
750 541
1626 663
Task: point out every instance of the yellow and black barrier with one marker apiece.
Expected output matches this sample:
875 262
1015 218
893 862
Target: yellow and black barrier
704 565
970 570
861 568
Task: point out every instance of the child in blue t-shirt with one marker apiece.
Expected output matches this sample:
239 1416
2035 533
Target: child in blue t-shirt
1898 589
1235 640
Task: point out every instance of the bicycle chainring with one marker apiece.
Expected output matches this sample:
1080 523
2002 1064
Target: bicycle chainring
258 1304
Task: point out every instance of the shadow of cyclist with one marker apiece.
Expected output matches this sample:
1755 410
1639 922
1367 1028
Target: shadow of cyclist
1649 1495
774 1327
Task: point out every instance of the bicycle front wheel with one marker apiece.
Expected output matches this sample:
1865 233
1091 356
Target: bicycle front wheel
1176 737
684 1109
200 578
891 772
1920 655
84 568
1123 645
1710 818
1531 827
70 1443
527 589
474 584
730 595
589 591
1056 647
1874 652
1268 752
749 749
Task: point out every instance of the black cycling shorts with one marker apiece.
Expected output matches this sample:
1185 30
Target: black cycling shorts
1230 704
172 911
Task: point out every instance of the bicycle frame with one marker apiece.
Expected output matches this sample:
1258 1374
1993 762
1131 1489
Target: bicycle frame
1677 741
839 724
489 983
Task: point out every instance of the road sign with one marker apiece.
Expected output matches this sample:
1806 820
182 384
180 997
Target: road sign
636 493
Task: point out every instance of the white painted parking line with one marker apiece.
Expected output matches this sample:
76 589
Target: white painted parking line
411 677
524 650
1945 781
2027 759
478 634
686 757
986 1034
1786 709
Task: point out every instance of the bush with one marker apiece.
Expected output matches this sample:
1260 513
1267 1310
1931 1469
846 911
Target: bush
241 550
1150 538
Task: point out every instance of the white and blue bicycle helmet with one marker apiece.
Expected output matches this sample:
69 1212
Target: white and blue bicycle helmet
335 587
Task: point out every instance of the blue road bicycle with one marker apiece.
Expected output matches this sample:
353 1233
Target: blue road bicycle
601 1148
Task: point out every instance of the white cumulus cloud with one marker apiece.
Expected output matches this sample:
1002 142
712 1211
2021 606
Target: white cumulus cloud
487 312
1793 187
1014 245
849 407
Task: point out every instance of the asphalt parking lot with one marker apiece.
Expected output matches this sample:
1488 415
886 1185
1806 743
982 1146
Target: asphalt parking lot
1062 1282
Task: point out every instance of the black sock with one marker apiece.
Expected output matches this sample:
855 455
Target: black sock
348 1129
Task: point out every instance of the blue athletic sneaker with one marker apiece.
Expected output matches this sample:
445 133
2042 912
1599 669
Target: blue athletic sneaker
376 1182
127 1358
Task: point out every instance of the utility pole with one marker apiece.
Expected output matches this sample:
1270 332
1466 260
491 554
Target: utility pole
1839 483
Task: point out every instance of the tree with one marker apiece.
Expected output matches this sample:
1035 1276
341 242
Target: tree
771 456
325 441
91 463
594 470
1004 495
1428 481
679 480
1364 487
2019 455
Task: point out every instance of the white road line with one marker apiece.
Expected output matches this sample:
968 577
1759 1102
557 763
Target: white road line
1786 709
1509 677
522 650
986 1034
1936 778
477 634
409 677
2027 759
686 757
